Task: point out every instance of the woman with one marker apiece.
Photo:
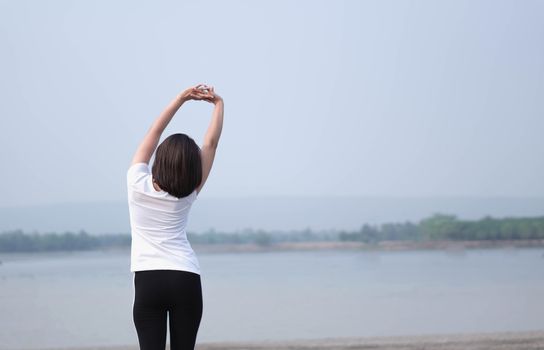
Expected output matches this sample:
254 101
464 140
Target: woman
166 269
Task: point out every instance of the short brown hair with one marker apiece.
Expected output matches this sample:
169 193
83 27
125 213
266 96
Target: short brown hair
177 168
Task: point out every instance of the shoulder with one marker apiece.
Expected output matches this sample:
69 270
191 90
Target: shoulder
193 196
136 172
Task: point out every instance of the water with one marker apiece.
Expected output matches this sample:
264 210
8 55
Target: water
85 298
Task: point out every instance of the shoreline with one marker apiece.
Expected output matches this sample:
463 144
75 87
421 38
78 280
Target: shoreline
526 340
449 246
453 247
480 341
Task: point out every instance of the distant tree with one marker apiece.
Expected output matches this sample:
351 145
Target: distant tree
438 226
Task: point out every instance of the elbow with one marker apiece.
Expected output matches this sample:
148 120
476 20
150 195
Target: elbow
210 144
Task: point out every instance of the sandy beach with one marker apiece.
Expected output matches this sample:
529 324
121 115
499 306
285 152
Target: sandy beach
481 341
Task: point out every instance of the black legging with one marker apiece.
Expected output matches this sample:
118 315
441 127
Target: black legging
160 291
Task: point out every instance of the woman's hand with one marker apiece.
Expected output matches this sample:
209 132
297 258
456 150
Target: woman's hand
211 96
198 92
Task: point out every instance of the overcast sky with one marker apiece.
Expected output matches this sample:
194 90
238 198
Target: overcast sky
393 98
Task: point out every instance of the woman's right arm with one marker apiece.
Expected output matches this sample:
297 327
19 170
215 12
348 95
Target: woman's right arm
211 139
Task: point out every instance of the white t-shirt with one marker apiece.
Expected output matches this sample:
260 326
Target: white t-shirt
158 221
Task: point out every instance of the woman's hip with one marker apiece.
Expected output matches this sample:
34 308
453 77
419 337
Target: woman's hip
167 287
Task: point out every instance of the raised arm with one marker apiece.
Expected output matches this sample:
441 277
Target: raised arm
151 139
211 139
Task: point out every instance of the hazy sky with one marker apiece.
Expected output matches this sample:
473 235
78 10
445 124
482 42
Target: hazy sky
395 98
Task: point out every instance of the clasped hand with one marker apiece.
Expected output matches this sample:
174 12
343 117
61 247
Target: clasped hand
200 92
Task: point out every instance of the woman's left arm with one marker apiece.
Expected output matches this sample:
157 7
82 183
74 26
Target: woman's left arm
151 140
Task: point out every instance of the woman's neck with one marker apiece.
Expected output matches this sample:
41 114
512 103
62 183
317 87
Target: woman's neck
156 187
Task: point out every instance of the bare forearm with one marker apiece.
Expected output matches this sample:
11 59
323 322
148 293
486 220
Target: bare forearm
151 139
166 116
211 139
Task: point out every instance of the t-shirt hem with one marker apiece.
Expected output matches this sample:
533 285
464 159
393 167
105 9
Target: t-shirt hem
159 267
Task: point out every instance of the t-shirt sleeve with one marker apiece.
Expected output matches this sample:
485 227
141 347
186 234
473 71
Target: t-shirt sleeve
193 196
136 172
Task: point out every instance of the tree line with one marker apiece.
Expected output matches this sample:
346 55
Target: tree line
449 227
436 227
19 241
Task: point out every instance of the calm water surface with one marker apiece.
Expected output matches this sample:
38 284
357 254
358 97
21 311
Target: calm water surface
85 298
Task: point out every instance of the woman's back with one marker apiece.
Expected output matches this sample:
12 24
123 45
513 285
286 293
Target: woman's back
158 222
